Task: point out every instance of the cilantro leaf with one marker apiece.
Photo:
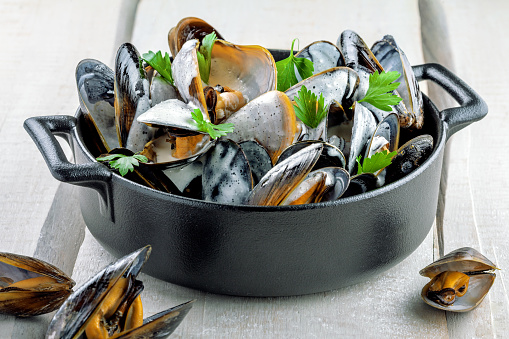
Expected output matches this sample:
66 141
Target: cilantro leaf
161 64
204 55
379 92
375 163
310 109
215 131
123 163
286 77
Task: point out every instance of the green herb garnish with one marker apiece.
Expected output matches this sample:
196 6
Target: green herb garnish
123 163
286 77
309 108
375 163
161 64
379 92
204 56
215 131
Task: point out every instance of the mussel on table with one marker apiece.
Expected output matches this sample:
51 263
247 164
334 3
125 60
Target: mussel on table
109 306
459 280
30 286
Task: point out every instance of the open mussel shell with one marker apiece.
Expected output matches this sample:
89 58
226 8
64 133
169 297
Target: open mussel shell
250 70
95 82
167 151
330 156
323 54
188 29
75 313
356 53
468 261
324 184
226 174
132 98
392 58
338 86
269 119
174 115
30 286
83 307
364 125
282 179
465 259
386 134
186 76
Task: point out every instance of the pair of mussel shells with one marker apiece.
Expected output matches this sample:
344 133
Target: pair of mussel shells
106 306
459 280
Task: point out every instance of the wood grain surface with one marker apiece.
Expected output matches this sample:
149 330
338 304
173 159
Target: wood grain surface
45 40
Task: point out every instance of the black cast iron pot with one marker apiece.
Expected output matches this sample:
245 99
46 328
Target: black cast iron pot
256 250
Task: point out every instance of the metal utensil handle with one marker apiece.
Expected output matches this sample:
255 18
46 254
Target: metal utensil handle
95 175
472 106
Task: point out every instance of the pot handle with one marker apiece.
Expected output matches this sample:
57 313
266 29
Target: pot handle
472 106
94 175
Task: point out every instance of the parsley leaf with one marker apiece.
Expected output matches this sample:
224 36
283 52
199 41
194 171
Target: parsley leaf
286 77
310 109
123 163
204 55
376 162
215 131
161 64
380 86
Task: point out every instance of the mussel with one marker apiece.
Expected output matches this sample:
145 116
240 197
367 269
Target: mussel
29 286
459 280
109 306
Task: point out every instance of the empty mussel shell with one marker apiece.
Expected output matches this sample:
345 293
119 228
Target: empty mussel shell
459 280
30 286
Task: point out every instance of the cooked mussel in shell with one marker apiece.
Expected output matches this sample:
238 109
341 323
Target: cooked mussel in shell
30 286
109 306
459 281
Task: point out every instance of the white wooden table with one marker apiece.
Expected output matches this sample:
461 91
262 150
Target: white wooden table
41 44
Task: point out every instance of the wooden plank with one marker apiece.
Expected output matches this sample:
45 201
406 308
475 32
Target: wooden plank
42 44
477 202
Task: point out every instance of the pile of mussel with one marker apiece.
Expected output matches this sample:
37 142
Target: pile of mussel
271 157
